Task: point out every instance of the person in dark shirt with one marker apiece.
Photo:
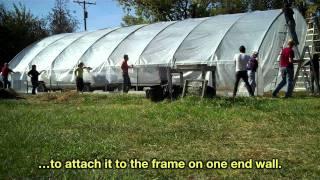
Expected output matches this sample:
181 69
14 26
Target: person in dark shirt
125 74
302 8
5 71
315 72
288 13
34 75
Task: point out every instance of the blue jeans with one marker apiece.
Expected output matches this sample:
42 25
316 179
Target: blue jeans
252 79
286 73
126 83
6 82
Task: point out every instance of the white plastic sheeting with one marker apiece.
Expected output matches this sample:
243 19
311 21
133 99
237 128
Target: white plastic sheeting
204 40
213 41
247 31
161 50
21 61
46 57
73 53
99 53
144 36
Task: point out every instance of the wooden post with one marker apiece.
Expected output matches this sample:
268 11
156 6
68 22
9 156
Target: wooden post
181 79
204 88
185 86
27 87
213 80
169 77
203 73
137 85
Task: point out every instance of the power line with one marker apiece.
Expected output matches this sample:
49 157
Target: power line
85 12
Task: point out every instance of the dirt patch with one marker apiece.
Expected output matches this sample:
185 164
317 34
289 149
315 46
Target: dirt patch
65 97
59 97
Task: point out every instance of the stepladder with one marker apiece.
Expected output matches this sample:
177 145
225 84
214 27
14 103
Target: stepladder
302 70
304 67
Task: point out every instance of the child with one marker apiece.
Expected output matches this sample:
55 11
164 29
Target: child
79 76
125 74
252 67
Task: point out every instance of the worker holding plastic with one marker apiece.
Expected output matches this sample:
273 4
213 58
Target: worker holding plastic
287 70
79 76
125 74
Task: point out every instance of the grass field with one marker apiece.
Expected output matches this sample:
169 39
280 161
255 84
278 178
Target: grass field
71 126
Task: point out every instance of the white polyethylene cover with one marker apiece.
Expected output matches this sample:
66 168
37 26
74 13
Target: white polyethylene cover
45 58
133 46
162 48
22 60
249 31
74 52
136 43
203 41
98 54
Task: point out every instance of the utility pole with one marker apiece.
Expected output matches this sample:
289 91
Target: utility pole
250 6
83 3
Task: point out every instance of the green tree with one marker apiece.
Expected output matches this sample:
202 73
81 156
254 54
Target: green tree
60 19
18 29
147 11
132 20
230 6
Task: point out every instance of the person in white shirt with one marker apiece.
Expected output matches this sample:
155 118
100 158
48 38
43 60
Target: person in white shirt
241 61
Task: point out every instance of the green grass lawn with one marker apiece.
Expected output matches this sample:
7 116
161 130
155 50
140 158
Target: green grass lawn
71 126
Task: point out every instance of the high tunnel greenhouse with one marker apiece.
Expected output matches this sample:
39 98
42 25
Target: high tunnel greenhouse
212 41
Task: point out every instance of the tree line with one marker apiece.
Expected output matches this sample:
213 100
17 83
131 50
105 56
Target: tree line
20 28
149 11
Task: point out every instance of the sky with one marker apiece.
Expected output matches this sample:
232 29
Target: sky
105 14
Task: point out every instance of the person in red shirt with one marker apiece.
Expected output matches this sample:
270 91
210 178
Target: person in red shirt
5 71
287 70
125 74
